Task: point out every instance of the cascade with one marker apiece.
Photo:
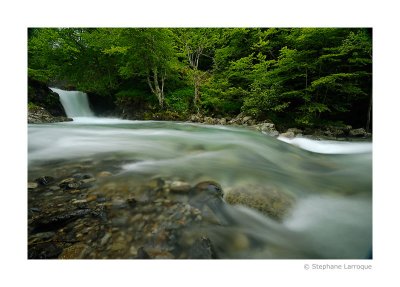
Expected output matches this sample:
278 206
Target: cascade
75 103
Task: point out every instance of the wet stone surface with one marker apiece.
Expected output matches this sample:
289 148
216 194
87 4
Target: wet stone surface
76 214
90 210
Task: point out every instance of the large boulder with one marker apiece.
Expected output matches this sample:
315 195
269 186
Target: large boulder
40 95
222 121
209 120
358 132
195 118
267 128
288 134
267 199
296 131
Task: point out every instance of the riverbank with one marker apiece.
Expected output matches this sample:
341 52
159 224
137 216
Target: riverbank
38 115
269 128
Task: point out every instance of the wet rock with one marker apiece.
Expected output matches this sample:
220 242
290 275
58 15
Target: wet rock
202 249
180 187
104 174
88 180
246 119
42 236
91 197
78 201
32 211
56 221
196 118
35 209
76 251
74 191
105 238
44 180
101 199
142 254
209 120
117 246
268 200
222 121
296 131
357 132
32 185
72 185
209 187
240 242
162 255
54 188
120 221
82 176
132 202
335 131
289 135
66 182
47 250
207 197
267 128
119 203
133 250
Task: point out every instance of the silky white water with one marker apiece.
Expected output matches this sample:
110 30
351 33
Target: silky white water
332 213
75 103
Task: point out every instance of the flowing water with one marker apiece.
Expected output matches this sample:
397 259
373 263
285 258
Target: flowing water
75 103
324 188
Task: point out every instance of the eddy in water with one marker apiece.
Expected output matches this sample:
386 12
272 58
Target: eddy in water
101 188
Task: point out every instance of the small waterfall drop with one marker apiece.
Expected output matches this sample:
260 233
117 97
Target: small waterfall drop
75 103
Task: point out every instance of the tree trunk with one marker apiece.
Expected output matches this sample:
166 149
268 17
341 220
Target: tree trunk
155 86
196 84
369 115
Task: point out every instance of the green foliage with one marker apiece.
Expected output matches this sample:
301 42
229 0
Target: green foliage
220 98
263 103
179 100
303 76
39 75
32 106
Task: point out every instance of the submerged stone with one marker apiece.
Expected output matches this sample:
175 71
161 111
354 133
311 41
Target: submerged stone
180 187
268 200
202 249
44 180
32 185
76 251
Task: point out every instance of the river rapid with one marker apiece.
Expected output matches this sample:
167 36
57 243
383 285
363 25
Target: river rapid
281 199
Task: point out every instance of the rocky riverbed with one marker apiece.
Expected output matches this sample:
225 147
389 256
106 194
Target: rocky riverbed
85 210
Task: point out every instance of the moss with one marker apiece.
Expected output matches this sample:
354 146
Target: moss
268 200
32 106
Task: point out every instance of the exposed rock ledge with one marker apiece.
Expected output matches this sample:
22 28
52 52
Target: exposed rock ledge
38 115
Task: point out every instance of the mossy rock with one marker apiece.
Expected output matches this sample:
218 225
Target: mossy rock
266 199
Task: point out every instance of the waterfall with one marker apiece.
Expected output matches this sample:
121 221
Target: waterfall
75 103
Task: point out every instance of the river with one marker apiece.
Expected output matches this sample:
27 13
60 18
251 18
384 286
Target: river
318 194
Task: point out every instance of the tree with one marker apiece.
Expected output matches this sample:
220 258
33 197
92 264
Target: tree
195 44
145 52
72 55
299 76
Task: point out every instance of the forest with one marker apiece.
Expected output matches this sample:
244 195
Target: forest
302 77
